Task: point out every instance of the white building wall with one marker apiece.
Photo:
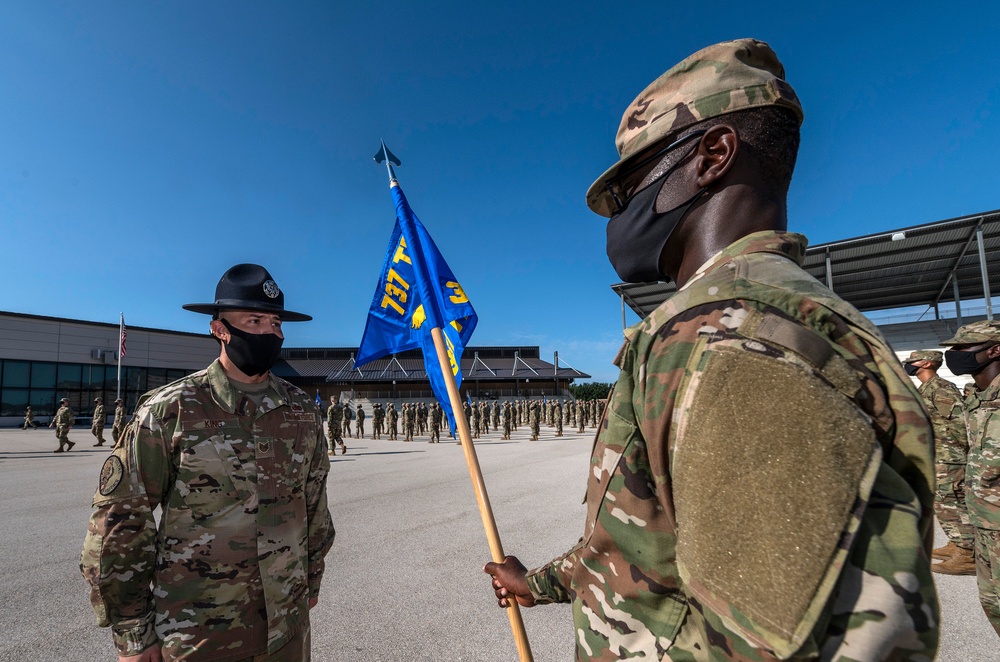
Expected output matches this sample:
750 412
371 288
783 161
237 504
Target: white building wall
69 341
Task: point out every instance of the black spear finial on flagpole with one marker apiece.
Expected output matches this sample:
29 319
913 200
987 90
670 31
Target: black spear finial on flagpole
384 154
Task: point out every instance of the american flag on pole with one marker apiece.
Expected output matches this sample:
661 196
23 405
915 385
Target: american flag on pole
121 347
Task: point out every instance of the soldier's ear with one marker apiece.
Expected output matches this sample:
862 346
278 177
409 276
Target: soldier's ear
993 352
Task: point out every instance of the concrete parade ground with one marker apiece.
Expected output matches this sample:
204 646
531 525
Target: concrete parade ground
404 579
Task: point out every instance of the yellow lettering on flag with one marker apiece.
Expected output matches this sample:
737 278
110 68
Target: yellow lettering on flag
456 325
451 354
394 276
399 254
459 295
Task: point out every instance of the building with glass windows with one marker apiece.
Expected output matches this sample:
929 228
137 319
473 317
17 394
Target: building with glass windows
45 359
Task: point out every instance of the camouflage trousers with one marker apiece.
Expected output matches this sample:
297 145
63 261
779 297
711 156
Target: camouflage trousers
436 433
988 574
97 429
62 434
949 505
333 435
298 649
116 432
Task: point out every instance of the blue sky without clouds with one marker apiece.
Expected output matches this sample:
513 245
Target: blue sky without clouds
147 147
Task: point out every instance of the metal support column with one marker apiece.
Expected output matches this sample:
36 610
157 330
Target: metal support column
829 270
622 295
958 302
985 274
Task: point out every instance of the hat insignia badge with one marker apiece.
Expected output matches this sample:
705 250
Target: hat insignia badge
271 289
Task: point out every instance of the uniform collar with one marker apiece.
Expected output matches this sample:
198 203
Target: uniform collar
228 397
786 244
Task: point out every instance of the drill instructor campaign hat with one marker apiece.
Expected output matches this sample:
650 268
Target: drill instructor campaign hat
248 287
720 79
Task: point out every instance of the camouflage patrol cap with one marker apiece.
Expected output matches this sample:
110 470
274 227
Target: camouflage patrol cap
723 78
975 334
925 355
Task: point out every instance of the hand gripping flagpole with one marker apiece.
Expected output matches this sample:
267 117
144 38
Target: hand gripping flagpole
465 438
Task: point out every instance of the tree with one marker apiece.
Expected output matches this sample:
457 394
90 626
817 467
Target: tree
590 390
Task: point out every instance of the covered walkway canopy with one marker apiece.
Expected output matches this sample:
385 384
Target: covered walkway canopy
931 264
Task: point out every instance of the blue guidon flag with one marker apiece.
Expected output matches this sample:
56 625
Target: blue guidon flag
416 292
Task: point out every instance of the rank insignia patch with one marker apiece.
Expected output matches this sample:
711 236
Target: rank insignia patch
111 475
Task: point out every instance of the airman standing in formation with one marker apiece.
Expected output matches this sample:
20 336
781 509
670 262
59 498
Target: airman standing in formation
581 416
334 422
975 350
347 421
422 419
951 447
100 419
393 417
559 418
378 418
29 419
435 415
359 432
475 421
534 418
409 421
495 414
505 419
62 422
119 423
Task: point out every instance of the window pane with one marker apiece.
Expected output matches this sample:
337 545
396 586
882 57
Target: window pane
93 376
135 380
15 373
43 375
69 376
43 402
110 378
155 378
13 402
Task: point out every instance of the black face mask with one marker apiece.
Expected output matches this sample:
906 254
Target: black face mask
965 363
910 369
638 233
252 353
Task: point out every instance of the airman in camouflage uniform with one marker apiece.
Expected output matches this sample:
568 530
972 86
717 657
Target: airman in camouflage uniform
474 410
378 417
975 350
100 419
29 420
359 432
393 416
581 415
409 420
495 414
559 419
334 420
63 421
234 458
534 418
945 405
505 418
703 540
347 421
118 425
435 416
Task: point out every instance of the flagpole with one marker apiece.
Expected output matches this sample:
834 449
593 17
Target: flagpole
479 487
121 327
465 437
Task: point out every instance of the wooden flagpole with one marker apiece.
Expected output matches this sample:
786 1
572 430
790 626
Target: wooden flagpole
479 486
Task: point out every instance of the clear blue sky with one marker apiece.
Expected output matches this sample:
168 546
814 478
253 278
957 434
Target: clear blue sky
147 147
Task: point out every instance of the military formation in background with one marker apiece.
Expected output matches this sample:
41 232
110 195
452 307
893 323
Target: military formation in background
485 417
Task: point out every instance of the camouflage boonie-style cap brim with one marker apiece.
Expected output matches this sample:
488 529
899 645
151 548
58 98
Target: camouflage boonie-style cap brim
975 334
925 355
724 78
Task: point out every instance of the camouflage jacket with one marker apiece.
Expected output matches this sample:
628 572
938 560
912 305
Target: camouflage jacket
99 416
64 417
119 417
243 527
982 489
761 485
334 416
947 411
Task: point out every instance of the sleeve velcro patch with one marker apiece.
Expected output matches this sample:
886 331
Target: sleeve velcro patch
768 471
